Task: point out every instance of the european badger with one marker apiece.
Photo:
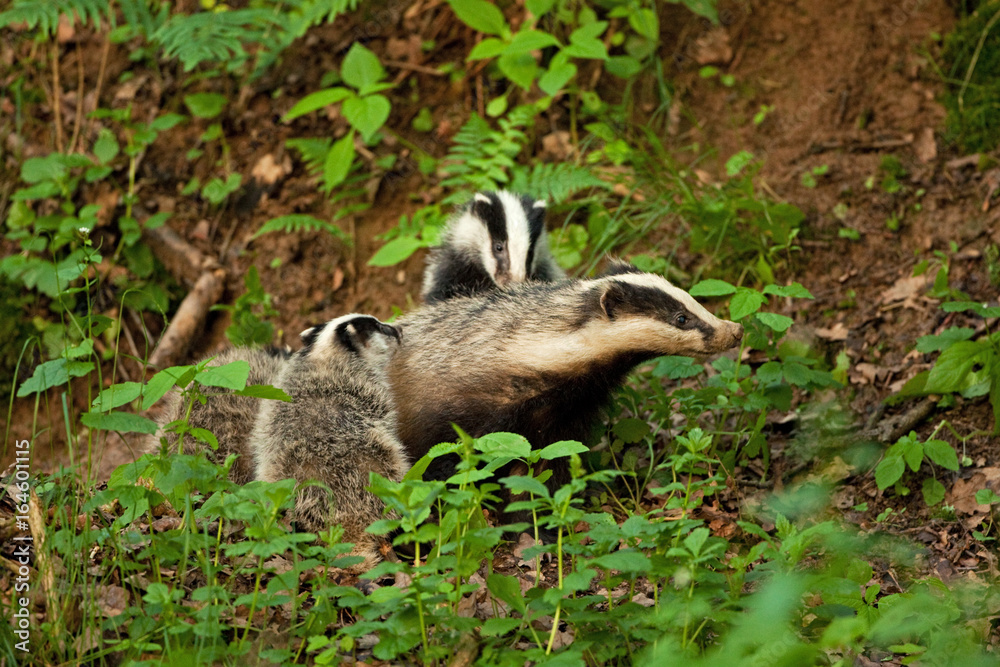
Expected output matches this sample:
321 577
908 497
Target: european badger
497 239
229 417
339 426
539 359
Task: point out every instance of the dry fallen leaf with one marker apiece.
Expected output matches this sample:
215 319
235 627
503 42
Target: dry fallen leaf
925 146
838 332
268 170
713 48
907 289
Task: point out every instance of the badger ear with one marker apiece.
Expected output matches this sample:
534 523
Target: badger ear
613 297
618 267
310 335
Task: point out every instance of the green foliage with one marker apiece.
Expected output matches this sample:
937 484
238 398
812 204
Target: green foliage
970 64
365 109
251 313
910 452
967 367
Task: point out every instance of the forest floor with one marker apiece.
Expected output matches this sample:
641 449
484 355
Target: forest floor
847 85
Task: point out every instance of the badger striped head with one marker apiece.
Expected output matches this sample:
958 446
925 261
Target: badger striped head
355 333
648 312
501 230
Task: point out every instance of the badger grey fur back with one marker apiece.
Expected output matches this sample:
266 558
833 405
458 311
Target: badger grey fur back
229 417
539 359
498 238
340 426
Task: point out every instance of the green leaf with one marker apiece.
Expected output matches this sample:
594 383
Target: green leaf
122 422
944 340
480 15
704 8
520 68
216 190
952 370
395 251
495 627
539 7
987 497
530 40
795 291
775 322
518 484
562 448
560 72
507 589
317 100
941 453
338 161
48 168
503 444
933 491
696 540
631 430
52 374
738 163
491 47
361 67
228 376
677 368
624 560
116 396
712 287
205 105
106 146
889 471
584 42
166 121
164 381
912 451
624 67
497 106
265 391
745 302
367 114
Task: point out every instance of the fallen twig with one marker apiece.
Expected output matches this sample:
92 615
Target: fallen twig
892 429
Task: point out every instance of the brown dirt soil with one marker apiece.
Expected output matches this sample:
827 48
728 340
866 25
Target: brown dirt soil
848 85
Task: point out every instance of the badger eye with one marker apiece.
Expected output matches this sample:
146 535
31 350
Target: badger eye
682 320
498 246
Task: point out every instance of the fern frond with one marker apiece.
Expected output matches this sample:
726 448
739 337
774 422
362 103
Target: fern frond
300 222
213 36
313 152
45 14
555 182
482 158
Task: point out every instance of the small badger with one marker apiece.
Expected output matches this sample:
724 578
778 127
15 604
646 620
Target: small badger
339 426
539 359
229 417
497 239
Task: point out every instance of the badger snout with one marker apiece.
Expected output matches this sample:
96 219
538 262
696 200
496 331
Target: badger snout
735 333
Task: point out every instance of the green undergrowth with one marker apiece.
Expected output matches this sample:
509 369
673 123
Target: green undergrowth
970 65
177 565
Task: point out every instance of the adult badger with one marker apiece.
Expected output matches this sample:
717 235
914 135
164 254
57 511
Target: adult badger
339 427
497 239
539 359
229 417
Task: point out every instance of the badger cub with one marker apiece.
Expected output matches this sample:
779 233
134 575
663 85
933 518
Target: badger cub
229 417
496 239
339 426
539 359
